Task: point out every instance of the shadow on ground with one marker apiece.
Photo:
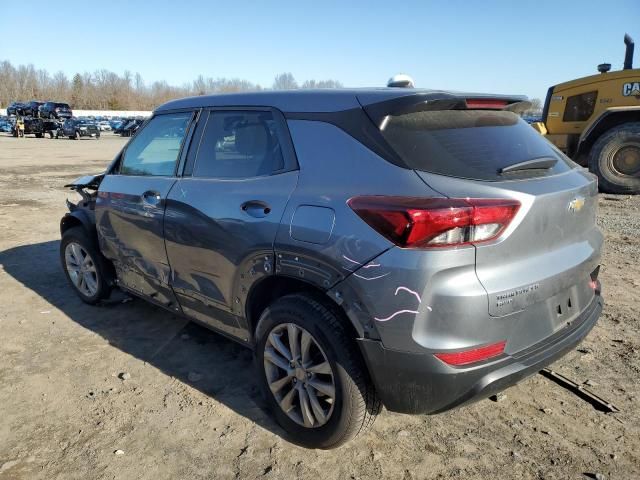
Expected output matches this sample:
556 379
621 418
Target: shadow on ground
148 333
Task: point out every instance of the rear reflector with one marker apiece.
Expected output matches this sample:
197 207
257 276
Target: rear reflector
412 222
481 103
472 356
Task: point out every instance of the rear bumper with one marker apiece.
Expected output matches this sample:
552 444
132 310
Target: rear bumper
420 383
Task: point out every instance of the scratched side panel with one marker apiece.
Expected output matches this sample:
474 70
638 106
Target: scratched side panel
333 168
421 300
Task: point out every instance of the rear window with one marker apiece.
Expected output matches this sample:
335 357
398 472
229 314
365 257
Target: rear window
473 144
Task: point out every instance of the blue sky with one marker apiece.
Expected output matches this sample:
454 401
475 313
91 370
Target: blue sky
490 46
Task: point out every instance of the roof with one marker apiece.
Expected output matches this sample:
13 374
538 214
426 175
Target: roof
318 100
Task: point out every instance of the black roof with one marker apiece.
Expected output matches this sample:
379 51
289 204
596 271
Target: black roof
321 100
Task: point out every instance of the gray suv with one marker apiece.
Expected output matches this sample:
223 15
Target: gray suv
408 248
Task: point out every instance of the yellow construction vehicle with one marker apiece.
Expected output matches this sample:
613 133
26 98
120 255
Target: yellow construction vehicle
595 120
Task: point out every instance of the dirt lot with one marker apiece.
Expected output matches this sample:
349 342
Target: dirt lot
64 411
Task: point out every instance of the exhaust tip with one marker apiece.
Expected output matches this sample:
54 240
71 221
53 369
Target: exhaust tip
628 54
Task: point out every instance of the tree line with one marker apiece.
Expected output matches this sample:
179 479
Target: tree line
105 90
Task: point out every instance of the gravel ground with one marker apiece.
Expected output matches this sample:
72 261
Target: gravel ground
128 391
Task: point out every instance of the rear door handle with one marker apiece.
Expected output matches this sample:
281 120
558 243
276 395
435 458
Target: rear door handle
256 208
151 197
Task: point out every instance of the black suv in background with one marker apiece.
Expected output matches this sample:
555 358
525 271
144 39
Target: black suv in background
56 110
32 108
74 128
16 108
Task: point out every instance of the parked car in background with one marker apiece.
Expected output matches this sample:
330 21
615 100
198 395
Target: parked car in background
120 124
76 128
408 248
32 108
15 108
56 110
131 128
532 118
104 126
5 126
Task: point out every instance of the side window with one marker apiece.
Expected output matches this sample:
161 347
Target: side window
239 144
580 107
155 149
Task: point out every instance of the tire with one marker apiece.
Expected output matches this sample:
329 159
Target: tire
355 404
615 159
77 136
97 276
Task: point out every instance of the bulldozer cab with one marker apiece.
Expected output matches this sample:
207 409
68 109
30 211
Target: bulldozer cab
580 113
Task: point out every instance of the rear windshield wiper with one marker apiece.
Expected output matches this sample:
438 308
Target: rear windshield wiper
543 163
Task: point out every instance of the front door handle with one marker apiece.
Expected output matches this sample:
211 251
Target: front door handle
256 208
151 197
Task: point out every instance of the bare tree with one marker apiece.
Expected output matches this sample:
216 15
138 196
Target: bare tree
321 84
536 104
284 81
104 89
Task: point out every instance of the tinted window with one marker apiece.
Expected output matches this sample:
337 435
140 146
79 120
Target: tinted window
580 107
155 149
239 144
473 144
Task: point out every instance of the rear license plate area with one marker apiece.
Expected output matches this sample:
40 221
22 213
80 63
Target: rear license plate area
563 308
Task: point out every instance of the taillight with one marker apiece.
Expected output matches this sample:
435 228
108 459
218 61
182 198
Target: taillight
482 103
473 355
412 222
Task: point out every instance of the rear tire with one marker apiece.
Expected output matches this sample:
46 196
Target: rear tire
77 137
615 159
336 363
86 269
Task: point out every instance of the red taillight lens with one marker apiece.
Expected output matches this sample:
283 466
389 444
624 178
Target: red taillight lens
487 103
474 355
435 222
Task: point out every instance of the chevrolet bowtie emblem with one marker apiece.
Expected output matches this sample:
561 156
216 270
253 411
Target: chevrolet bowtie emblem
576 204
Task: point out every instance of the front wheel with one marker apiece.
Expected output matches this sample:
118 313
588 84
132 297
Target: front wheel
615 159
84 266
312 375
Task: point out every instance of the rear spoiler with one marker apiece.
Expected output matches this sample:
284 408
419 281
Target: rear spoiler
429 101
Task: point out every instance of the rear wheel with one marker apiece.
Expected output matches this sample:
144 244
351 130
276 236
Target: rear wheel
313 377
77 135
615 158
84 266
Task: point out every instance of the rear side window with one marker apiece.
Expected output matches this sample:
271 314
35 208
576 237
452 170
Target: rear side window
155 149
474 144
580 107
239 144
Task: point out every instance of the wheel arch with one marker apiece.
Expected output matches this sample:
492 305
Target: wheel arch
607 120
79 218
272 287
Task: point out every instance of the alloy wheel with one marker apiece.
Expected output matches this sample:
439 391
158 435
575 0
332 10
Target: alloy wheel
299 375
81 268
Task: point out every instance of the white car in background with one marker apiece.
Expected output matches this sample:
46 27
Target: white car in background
104 126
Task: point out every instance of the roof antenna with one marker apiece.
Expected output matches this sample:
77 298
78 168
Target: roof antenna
401 80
